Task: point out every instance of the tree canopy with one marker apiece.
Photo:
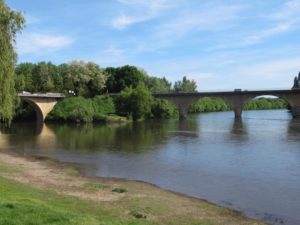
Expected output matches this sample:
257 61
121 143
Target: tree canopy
185 85
11 23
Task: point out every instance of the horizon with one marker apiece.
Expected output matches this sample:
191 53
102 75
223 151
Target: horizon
222 46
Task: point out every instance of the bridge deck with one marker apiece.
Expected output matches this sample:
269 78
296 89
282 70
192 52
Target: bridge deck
216 93
42 95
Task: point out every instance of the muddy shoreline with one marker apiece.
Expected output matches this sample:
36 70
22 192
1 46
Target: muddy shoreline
53 164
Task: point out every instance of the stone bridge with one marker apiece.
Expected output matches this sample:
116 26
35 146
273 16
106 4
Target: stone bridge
42 103
237 99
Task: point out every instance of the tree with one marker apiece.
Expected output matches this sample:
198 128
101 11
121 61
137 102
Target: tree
11 23
134 102
86 79
25 70
157 85
185 85
123 77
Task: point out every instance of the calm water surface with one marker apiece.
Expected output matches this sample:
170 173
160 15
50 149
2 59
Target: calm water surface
252 165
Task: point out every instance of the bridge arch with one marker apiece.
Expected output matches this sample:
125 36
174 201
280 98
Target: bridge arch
237 99
267 97
41 103
40 117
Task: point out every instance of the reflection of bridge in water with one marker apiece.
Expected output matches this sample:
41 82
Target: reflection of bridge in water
237 99
43 103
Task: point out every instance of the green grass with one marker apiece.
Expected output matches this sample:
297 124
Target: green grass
95 186
143 204
23 205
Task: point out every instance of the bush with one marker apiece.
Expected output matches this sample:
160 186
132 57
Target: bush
207 104
103 105
73 109
163 109
134 102
119 190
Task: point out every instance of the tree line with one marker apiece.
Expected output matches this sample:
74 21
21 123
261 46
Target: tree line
87 79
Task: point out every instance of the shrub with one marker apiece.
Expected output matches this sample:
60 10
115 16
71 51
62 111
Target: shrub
74 109
119 190
163 109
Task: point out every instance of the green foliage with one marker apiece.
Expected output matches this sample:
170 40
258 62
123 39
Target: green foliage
123 77
11 23
74 109
217 104
85 79
157 85
79 109
95 186
266 103
163 109
297 82
209 105
103 105
185 85
119 190
134 102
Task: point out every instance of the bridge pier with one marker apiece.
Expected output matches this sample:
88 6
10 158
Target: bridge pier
238 112
295 111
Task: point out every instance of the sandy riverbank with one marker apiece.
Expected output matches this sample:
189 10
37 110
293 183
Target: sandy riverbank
139 199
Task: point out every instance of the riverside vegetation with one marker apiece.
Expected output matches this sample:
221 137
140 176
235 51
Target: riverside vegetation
88 87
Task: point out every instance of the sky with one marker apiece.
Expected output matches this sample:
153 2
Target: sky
221 44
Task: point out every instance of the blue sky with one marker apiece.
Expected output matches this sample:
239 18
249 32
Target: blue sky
221 44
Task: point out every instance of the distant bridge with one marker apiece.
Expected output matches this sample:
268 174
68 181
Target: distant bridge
237 99
42 103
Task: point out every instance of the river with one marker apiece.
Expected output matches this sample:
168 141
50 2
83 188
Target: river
251 165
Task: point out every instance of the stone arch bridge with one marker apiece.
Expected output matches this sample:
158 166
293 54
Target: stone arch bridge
237 99
42 103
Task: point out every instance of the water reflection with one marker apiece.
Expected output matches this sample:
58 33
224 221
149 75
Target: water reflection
251 165
239 130
294 128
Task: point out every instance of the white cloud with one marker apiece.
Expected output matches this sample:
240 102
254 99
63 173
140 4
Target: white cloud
36 43
290 9
139 11
210 18
269 32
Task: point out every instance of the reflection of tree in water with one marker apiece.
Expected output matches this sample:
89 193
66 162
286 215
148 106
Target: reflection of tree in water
131 137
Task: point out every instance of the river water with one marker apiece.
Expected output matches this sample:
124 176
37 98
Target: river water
251 165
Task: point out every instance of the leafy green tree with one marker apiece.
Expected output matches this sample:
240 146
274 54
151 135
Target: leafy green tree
157 85
74 109
134 102
11 23
25 69
123 77
163 109
98 78
19 83
185 85
86 79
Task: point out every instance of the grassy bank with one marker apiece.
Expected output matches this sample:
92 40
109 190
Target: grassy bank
35 191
